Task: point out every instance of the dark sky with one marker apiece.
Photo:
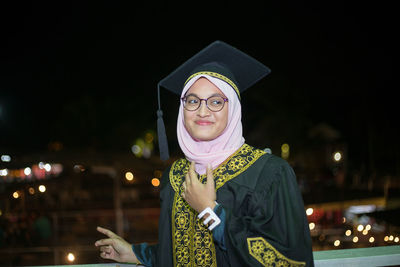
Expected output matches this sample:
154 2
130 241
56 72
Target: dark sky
84 73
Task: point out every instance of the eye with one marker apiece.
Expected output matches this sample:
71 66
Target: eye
216 101
192 100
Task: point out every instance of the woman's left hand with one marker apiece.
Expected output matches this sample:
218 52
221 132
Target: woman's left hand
199 196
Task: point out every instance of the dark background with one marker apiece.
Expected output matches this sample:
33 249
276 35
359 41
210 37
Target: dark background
78 84
83 74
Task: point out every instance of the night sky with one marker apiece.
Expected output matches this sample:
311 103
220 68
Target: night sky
84 73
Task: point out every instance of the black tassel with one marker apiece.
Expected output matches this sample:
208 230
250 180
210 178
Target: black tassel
162 135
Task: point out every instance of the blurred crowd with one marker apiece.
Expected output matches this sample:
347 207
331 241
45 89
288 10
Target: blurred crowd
25 230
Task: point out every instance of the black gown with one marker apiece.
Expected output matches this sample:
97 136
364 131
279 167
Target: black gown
265 221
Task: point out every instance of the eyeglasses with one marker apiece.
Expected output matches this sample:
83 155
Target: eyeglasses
213 103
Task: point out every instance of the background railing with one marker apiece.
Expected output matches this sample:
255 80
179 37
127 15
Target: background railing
374 256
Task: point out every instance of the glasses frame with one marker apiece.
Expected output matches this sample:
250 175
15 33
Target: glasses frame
205 100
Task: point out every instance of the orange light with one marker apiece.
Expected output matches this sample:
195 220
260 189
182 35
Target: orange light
129 176
31 190
155 182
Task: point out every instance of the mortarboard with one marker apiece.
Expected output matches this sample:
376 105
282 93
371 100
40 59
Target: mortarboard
219 60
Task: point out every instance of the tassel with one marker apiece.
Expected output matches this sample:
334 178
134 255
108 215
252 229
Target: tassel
162 136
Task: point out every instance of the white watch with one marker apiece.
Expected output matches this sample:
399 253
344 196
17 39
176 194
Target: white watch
211 216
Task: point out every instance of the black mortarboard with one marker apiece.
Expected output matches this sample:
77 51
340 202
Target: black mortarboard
220 60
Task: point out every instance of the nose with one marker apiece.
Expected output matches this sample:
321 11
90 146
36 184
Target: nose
203 110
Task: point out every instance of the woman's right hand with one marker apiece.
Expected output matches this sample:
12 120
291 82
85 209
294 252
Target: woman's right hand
115 247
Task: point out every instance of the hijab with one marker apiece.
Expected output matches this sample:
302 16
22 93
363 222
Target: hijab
216 151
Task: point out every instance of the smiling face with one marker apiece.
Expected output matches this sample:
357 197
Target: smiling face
204 124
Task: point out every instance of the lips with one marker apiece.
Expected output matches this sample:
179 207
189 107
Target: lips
203 122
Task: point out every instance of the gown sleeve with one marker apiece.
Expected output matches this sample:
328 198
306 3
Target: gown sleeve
265 221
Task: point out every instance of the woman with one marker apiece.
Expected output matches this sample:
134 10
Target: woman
226 203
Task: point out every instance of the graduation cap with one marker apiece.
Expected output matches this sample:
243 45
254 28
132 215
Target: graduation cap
219 60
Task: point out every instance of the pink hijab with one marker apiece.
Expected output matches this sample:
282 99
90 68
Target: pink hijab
212 152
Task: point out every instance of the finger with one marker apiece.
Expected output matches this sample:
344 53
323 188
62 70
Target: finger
192 173
104 242
210 177
105 255
106 249
189 175
106 232
184 186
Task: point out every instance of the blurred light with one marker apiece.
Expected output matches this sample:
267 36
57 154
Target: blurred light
136 150
42 188
268 150
391 238
5 158
149 137
157 173
368 227
386 238
155 182
337 243
285 148
129 176
337 156
47 167
371 239
348 233
309 211
16 195
285 151
360 227
71 257
146 152
3 172
365 232
1 212
355 239
361 209
41 165
311 225
27 171
396 239
79 168
344 220
31 190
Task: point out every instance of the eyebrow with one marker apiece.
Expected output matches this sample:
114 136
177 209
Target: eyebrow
216 94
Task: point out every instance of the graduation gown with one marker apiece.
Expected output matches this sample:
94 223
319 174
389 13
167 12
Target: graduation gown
265 222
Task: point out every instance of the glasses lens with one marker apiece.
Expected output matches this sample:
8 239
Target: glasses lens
215 103
191 102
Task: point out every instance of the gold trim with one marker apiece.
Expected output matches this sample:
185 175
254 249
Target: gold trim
192 242
234 165
267 255
216 75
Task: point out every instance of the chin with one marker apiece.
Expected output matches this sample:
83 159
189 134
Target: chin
203 136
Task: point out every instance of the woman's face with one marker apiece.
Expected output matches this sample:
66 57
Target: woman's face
204 124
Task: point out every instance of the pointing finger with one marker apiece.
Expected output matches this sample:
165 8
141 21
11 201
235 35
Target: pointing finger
107 232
